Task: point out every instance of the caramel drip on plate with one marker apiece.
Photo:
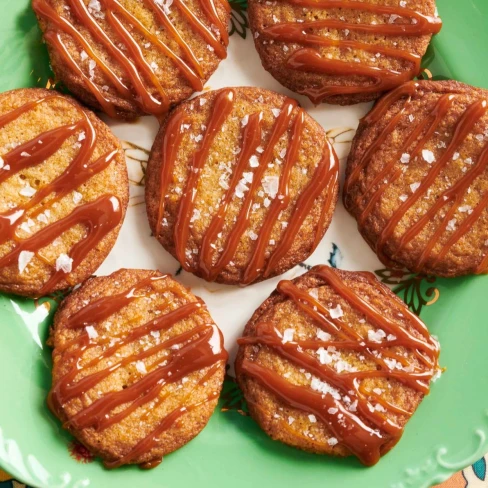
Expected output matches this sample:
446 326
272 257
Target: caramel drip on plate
324 179
188 352
364 430
413 145
99 217
136 68
309 59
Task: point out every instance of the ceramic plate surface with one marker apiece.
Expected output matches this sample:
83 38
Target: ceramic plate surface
449 430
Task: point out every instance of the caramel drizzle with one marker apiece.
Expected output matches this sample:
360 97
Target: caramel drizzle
363 433
420 135
308 59
200 348
324 179
134 63
100 216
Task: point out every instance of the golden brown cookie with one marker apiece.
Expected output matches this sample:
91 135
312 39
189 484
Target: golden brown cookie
334 363
63 192
342 51
417 179
241 185
134 57
138 366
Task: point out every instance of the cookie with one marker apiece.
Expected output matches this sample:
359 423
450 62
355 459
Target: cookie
241 185
63 192
417 182
138 364
334 363
137 56
342 52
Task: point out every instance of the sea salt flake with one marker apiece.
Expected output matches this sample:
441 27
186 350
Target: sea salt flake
428 156
415 186
325 388
405 158
288 336
314 293
25 258
451 225
196 215
42 218
376 335
324 356
92 333
248 176
403 198
332 441
241 188
141 367
64 263
353 406
332 410
271 185
336 312
253 161
323 336
276 111
252 235
290 420
27 191
312 418
77 197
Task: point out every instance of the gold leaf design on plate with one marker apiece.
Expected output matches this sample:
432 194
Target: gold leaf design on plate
410 287
232 397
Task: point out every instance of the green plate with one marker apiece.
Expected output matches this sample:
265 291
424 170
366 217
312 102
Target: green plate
448 432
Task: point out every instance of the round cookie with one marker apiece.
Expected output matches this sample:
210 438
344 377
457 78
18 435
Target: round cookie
241 185
138 365
134 57
342 52
63 192
334 363
416 178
